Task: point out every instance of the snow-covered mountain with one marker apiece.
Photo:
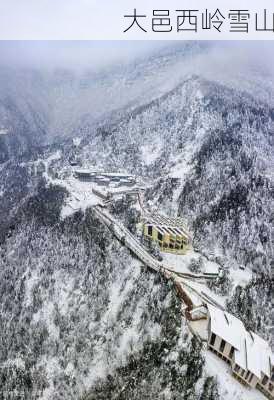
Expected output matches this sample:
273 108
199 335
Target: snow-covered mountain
41 106
75 306
207 152
80 316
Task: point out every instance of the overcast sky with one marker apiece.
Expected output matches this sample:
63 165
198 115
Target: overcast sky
94 19
74 54
95 54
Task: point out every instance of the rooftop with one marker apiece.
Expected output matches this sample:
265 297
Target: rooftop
226 326
170 225
252 352
93 172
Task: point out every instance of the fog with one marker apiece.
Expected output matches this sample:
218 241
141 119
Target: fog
77 55
244 66
93 55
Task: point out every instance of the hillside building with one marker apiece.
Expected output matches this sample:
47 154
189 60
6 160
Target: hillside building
171 234
105 178
249 356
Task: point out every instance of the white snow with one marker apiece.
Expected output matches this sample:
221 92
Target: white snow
81 196
78 202
240 277
53 157
258 355
77 141
192 293
64 287
15 362
52 369
200 328
130 336
229 387
150 152
3 131
183 165
30 283
181 263
226 326
46 315
204 292
251 351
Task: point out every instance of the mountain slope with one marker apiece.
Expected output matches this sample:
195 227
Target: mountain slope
41 106
80 317
207 151
75 305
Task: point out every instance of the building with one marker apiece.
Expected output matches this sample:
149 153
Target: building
105 178
84 175
170 233
249 356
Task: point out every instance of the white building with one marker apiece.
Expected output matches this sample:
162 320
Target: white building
249 355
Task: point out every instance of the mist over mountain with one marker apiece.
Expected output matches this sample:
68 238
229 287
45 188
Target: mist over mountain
57 93
41 105
81 317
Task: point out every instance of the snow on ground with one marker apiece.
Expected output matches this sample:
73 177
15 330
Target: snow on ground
240 277
151 152
200 328
3 131
183 160
81 196
192 293
53 368
181 263
130 338
64 286
47 161
77 141
183 166
29 285
229 387
202 289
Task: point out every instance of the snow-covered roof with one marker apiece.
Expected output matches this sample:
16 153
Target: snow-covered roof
252 353
103 174
259 355
118 174
3 131
174 226
83 172
240 355
226 326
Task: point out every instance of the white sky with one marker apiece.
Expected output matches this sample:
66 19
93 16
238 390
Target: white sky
74 54
79 55
93 55
94 19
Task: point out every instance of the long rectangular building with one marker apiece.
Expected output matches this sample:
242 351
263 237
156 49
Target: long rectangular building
249 355
104 178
